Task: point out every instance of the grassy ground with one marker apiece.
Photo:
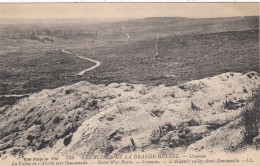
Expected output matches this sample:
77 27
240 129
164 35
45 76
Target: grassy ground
187 49
185 56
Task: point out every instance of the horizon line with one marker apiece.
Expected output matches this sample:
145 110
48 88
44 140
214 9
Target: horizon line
128 17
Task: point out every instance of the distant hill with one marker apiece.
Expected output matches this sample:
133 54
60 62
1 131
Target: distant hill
205 24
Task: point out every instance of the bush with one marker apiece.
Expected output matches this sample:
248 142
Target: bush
173 95
44 143
67 140
193 122
157 134
194 107
181 87
230 105
57 120
42 127
69 91
77 118
157 112
93 103
22 119
108 149
31 110
244 90
17 152
37 122
69 130
30 138
251 117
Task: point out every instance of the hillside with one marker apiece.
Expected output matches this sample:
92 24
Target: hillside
171 26
205 115
188 49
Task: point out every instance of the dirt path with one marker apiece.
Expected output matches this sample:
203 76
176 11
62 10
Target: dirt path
97 63
127 36
89 69
80 73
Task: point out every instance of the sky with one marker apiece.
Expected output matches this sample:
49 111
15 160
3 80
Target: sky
127 10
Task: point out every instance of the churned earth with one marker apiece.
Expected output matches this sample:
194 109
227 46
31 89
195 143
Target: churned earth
203 115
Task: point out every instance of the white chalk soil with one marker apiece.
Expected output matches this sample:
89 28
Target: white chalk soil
86 119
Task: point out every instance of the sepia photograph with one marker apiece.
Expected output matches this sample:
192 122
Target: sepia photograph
129 84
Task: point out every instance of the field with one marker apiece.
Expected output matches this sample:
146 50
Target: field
31 58
142 86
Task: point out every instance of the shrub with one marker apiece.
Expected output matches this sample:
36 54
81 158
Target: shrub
30 137
37 122
69 130
194 107
210 103
93 103
193 122
168 127
181 87
77 118
230 105
182 132
251 117
31 110
57 120
185 137
157 134
157 112
42 127
108 149
17 152
241 101
7 146
67 140
27 120
117 138
244 90
173 95
22 119
68 91
44 143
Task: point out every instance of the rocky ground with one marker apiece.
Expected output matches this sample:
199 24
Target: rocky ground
208 115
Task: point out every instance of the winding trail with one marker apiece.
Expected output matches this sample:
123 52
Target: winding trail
127 36
89 69
97 63
80 73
